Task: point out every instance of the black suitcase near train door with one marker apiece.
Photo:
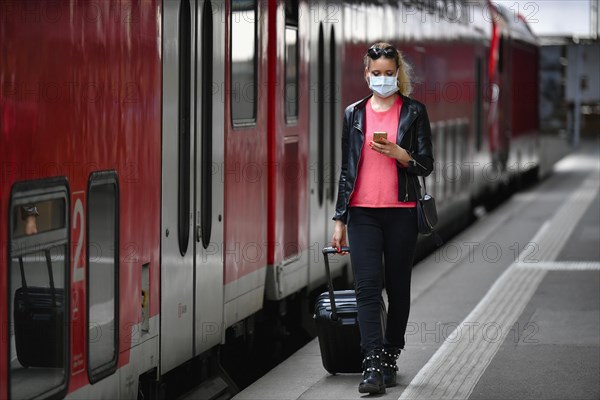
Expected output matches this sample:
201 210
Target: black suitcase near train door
39 322
336 318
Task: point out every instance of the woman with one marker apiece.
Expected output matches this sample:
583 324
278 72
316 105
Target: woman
377 195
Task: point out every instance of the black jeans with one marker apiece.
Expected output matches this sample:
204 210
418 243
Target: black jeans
391 233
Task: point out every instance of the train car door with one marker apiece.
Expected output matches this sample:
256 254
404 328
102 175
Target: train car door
288 149
192 200
325 136
209 188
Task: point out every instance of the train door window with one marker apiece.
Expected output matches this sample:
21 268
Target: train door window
465 153
291 201
435 173
461 137
501 54
291 61
102 274
206 132
478 102
183 173
452 146
440 159
461 153
445 159
321 114
332 112
38 295
446 156
243 62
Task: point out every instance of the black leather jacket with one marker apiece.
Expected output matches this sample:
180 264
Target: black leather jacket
414 135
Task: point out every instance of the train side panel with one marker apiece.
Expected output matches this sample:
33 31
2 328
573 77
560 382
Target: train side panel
81 100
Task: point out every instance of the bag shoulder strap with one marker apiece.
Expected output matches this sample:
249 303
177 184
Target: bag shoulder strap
417 190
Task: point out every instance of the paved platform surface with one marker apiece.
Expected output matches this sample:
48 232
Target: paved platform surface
508 309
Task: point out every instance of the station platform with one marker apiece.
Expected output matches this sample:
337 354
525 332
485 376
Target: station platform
508 309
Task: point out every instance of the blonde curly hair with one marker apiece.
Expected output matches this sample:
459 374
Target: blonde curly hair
404 69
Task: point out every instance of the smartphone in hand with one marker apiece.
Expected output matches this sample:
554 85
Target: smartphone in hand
379 136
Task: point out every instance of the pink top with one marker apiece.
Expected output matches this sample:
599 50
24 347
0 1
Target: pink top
377 181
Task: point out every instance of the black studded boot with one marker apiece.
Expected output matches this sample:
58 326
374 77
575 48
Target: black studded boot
372 382
388 365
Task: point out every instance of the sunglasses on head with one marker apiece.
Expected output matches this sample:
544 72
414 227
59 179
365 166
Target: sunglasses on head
376 52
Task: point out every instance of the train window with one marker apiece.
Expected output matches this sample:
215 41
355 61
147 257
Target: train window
243 62
102 274
38 298
50 218
291 61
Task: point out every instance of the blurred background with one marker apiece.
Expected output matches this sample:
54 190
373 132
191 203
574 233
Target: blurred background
569 64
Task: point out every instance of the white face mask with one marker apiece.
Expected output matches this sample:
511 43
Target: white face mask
384 86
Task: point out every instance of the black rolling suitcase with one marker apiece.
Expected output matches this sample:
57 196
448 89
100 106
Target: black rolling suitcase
39 322
336 318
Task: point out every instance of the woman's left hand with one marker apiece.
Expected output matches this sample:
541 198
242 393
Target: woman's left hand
390 149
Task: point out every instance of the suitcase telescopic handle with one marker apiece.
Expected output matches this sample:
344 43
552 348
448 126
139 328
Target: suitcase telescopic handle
326 252
50 277
332 250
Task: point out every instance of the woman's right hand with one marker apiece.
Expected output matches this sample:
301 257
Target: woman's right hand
339 236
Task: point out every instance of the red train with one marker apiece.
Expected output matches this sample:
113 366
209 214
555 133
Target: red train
167 166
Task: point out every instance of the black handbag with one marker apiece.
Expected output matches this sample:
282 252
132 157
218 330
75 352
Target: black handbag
426 212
